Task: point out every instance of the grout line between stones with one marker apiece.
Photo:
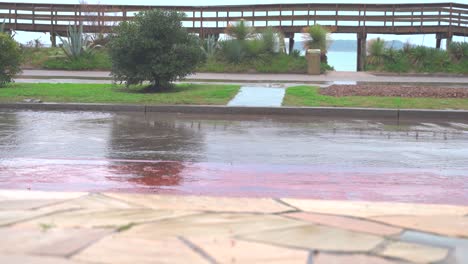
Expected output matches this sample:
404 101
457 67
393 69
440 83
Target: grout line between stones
123 201
198 250
58 202
39 216
278 200
87 245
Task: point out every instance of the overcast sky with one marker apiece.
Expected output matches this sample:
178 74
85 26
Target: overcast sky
237 2
428 40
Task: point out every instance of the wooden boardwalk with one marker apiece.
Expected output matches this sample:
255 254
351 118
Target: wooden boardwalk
443 19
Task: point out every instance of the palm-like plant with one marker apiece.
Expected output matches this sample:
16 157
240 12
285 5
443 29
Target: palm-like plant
240 30
376 51
273 40
77 43
458 50
317 37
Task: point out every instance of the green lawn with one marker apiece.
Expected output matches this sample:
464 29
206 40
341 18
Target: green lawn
310 96
195 94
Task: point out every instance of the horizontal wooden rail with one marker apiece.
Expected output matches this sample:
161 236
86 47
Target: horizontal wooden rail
434 18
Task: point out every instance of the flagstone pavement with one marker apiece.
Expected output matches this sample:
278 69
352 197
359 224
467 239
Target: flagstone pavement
52 227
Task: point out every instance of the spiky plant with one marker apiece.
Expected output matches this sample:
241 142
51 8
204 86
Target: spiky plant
210 46
317 37
240 30
376 51
458 51
273 40
77 43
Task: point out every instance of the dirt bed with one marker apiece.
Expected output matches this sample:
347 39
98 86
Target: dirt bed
394 91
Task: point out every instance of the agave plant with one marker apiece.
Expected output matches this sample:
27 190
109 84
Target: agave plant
77 43
210 46
240 30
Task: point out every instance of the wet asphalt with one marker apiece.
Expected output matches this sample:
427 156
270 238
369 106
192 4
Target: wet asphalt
254 156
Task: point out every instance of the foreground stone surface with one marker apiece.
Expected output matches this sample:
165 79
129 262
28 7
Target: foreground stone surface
42 227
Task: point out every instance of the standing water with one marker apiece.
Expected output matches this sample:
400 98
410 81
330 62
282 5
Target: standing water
342 60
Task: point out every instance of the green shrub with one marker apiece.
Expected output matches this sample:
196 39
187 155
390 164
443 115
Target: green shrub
153 47
233 51
272 40
98 60
280 63
10 59
376 51
240 30
458 51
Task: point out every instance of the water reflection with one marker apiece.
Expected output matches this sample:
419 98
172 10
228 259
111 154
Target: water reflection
235 155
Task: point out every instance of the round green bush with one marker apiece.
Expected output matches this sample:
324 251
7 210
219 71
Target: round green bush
10 59
153 47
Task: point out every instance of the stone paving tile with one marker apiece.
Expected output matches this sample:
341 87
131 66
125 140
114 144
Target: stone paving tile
440 224
93 201
119 250
38 195
8 217
347 223
24 259
229 250
318 238
459 246
414 252
324 258
210 225
48 240
199 203
26 204
104 218
369 209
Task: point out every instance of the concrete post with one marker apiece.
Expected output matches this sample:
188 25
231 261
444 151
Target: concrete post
361 51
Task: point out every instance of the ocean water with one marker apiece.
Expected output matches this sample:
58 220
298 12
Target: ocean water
342 60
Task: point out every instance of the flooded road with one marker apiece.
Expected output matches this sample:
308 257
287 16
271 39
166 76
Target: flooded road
373 160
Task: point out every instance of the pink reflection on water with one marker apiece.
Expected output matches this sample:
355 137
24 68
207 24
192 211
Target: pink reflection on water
246 180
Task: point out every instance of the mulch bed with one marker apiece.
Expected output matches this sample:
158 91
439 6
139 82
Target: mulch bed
394 91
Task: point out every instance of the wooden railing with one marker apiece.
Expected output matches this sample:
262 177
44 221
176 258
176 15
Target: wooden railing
438 18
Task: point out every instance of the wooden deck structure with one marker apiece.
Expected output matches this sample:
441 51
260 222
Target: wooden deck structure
443 19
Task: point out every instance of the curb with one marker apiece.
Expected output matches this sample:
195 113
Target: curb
335 112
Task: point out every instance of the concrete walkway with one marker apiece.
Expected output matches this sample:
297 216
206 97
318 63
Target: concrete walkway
67 228
264 78
258 96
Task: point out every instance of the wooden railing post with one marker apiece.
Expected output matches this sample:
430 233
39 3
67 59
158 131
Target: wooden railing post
361 50
336 16
201 24
422 19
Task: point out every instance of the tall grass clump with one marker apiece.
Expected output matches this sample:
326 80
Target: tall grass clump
418 59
